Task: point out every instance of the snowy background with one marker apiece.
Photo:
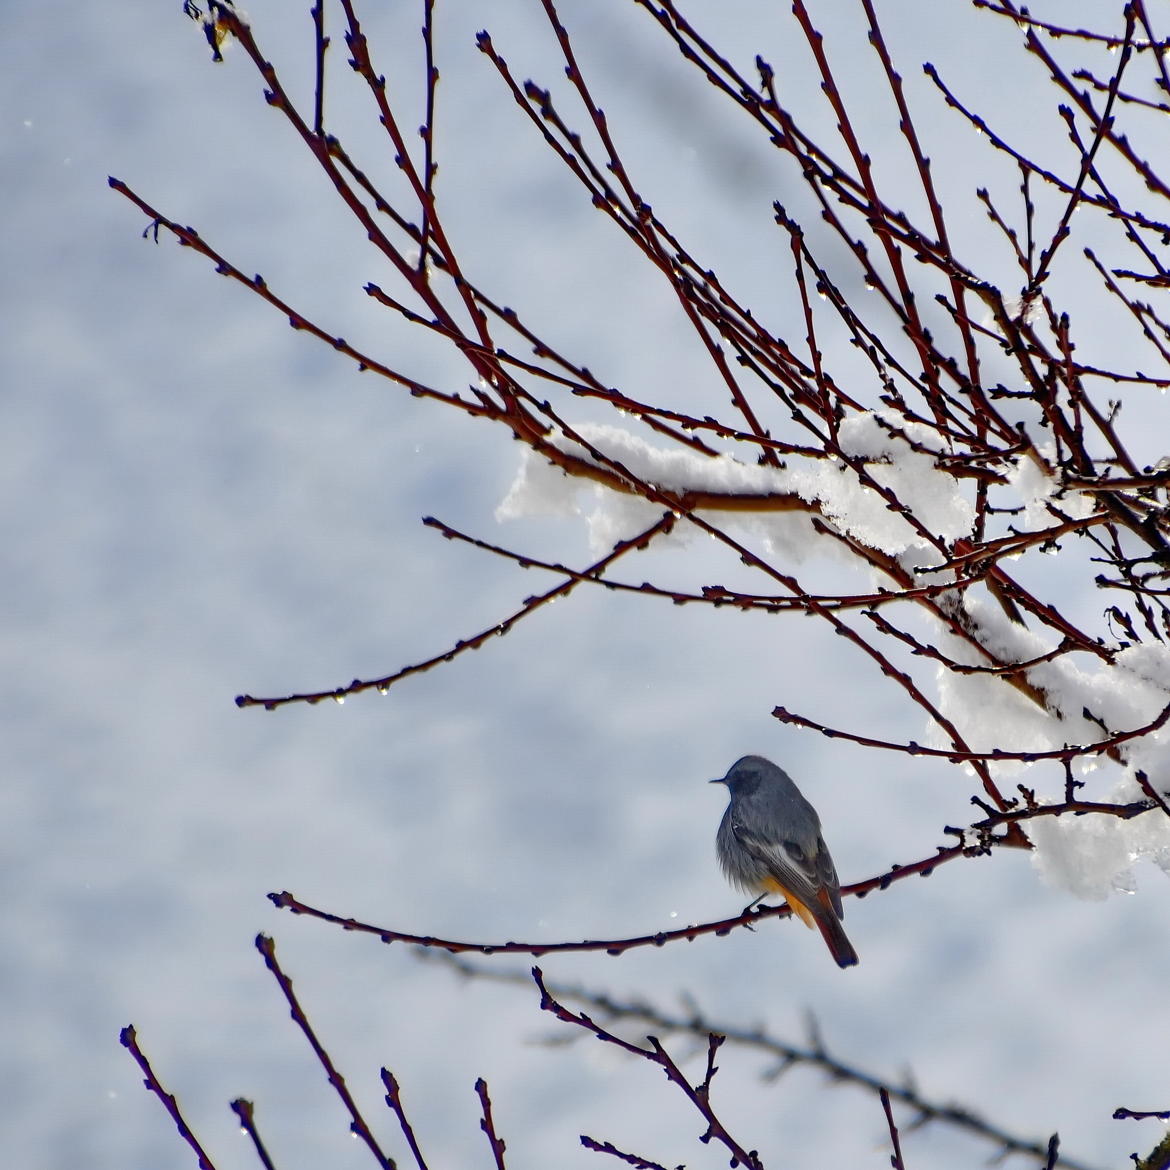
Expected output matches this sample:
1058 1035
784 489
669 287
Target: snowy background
200 502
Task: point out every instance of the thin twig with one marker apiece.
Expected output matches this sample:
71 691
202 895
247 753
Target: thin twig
357 1123
699 1095
129 1040
814 1053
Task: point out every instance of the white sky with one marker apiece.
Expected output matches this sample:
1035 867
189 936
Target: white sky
200 502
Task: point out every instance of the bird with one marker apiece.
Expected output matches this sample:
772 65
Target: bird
769 842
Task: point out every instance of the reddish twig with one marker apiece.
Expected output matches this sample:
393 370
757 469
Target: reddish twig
1158 799
1053 1157
717 595
488 1125
891 1125
357 1123
382 685
631 1159
190 238
246 1113
394 1101
812 1053
984 841
129 1039
699 1095
916 749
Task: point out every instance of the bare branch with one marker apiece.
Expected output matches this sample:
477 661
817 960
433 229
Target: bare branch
358 1125
500 628
895 1141
784 1054
129 1039
699 1095
394 1101
245 1111
488 1125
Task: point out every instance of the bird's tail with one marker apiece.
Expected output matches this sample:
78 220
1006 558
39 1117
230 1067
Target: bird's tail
821 913
835 939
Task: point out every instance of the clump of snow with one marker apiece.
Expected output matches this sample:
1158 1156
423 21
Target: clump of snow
1088 857
1127 692
540 488
1093 856
926 490
1149 664
1036 491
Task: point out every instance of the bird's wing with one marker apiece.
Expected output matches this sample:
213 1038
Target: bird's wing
789 864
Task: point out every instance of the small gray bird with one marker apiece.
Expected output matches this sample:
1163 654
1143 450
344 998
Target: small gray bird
770 842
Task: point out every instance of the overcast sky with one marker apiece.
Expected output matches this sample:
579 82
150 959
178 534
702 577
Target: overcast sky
201 502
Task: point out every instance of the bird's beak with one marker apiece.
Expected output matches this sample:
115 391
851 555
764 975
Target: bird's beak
718 780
